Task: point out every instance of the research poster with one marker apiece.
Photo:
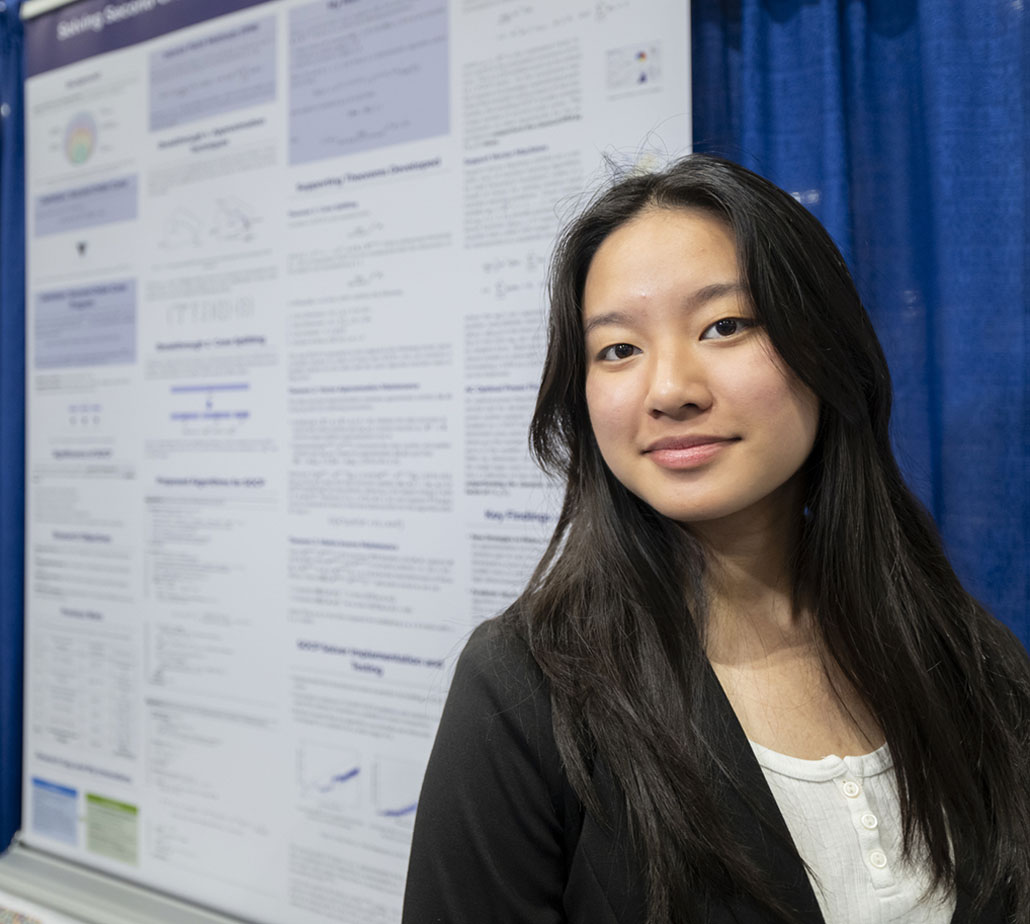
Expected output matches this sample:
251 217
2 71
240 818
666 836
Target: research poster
286 313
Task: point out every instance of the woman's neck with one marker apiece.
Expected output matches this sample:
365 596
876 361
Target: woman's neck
765 645
749 575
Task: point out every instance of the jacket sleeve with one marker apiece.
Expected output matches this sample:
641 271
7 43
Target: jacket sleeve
488 843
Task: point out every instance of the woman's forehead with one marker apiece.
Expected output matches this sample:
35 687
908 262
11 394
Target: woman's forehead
682 254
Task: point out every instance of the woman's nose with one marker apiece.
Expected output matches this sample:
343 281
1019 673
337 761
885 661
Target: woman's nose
678 385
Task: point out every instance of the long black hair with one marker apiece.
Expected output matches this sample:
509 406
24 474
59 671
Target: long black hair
614 613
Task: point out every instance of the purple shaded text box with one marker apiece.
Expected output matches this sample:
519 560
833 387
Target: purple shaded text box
87 206
92 325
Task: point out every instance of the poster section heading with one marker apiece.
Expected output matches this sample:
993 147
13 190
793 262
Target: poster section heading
93 27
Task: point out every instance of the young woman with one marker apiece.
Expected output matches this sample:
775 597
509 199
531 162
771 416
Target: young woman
744 683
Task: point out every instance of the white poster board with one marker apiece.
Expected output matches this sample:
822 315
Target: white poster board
285 323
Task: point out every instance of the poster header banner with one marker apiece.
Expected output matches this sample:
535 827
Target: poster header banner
92 27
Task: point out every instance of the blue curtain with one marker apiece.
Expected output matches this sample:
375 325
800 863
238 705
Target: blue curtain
12 415
903 126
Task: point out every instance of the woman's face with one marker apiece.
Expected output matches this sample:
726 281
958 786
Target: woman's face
692 409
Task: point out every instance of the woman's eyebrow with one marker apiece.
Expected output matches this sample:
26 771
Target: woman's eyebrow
702 296
616 318
714 291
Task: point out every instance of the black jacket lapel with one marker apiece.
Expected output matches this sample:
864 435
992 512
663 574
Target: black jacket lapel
754 815
606 878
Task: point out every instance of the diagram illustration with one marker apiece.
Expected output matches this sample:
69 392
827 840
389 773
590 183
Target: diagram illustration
80 138
395 786
331 776
228 219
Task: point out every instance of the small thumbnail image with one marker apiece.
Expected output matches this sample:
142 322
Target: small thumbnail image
634 67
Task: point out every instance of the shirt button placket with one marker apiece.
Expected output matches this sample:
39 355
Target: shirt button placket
867 828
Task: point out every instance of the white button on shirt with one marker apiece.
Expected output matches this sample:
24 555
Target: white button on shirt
845 819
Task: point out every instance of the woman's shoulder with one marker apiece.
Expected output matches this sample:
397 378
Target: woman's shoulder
497 663
499 638
496 817
498 711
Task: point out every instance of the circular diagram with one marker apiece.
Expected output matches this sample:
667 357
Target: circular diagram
80 138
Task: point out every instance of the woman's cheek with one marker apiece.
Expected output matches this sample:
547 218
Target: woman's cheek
613 405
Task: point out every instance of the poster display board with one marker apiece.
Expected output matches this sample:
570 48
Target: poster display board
285 322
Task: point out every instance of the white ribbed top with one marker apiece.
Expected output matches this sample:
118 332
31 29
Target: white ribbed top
844 816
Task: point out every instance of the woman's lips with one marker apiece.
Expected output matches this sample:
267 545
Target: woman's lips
687 452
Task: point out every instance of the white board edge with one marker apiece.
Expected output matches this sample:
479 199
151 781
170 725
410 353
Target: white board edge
33 8
91 896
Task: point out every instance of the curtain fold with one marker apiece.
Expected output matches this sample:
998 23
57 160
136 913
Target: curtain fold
12 416
902 125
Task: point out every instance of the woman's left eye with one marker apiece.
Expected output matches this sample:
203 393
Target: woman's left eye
726 327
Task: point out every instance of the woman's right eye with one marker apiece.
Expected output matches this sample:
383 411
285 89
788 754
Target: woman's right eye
618 351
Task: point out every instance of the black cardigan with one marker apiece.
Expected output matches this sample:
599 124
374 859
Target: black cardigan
501 838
